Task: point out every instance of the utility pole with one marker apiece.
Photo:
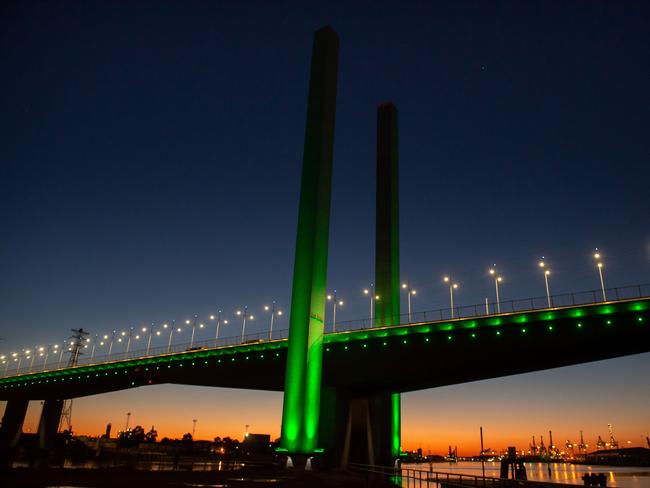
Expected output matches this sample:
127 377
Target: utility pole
76 343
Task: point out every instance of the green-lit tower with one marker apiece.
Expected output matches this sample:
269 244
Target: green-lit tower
300 414
387 255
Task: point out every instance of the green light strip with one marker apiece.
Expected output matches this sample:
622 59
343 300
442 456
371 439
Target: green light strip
343 337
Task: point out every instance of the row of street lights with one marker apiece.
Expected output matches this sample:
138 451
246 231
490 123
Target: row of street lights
454 285
133 334
154 330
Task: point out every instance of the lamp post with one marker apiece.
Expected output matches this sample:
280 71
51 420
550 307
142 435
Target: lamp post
452 286
47 354
373 297
337 303
409 291
92 350
61 353
41 353
497 280
273 313
193 329
31 354
110 344
218 324
599 264
128 416
243 325
14 355
547 273
171 328
151 329
5 361
128 341
55 349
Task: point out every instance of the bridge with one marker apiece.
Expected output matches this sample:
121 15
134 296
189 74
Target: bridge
332 409
402 358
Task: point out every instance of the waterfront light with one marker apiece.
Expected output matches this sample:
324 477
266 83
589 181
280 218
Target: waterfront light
370 292
599 265
547 273
409 291
193 329
245 315
337 302
497 280
274 312
452 286
171 334
218 325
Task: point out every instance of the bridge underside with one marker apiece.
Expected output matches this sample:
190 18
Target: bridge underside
361 368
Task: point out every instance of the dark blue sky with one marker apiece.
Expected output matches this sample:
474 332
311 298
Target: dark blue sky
151 152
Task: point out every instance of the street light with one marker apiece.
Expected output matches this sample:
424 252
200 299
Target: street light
409 291
42 352
193 329
245 316
218 325
33 357
599 264
5 361
497 280
92 351
273 313
373 297
128 342
452 286
171 328
151 329
337 302
61 353
547 273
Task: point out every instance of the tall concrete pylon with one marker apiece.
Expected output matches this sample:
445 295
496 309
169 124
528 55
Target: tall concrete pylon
302 389
387 282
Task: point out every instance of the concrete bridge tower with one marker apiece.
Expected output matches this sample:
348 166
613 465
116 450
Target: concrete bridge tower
302 389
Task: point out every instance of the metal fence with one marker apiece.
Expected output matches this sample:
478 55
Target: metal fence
417 478
34 365
504 307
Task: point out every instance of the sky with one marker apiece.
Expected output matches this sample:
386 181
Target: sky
151 157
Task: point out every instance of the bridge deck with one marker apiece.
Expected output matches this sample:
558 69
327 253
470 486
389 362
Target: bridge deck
399 358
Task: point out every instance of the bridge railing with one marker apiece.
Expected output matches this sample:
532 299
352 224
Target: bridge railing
444 314
87 360
503 307
412 477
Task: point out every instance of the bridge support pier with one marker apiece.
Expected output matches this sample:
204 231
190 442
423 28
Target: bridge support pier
49 423
356 429
12 424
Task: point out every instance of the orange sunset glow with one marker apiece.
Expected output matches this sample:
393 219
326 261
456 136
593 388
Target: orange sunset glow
511 409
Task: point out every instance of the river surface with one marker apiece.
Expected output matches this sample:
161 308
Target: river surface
618 477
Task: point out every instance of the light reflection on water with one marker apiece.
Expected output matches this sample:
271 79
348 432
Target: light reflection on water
618 477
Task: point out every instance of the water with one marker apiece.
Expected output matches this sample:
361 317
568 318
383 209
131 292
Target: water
618 477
